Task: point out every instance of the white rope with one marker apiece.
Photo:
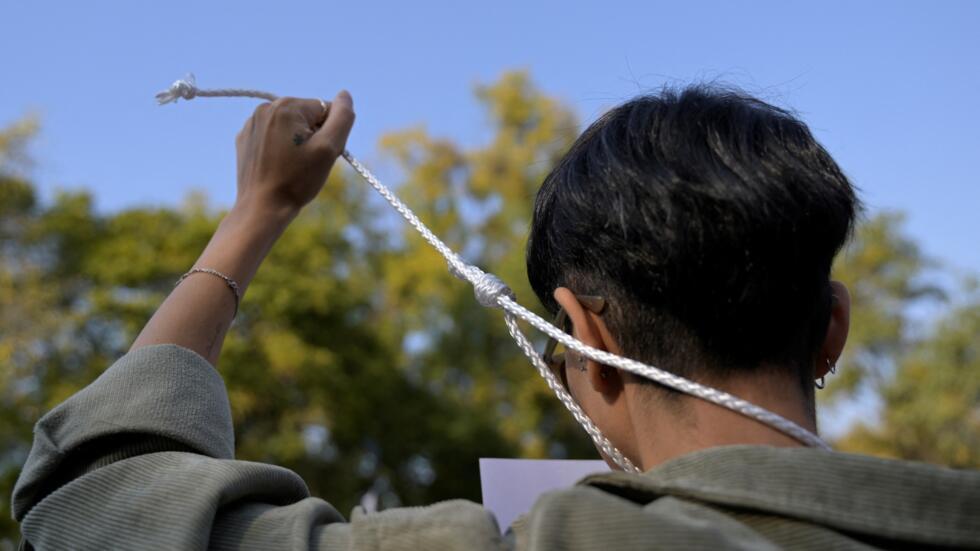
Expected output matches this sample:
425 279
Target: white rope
186 88
490 291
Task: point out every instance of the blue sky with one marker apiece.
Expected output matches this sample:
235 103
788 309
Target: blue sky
890 88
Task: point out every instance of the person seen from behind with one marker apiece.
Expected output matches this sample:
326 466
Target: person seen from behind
691 229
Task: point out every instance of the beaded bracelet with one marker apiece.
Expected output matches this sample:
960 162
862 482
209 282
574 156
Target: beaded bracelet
231 283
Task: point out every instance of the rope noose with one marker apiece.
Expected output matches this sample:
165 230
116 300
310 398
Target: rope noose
491 292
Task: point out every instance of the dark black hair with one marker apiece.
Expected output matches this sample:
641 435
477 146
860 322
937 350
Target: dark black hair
709 220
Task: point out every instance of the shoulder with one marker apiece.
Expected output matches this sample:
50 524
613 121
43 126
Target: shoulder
796 496
586 517
455 524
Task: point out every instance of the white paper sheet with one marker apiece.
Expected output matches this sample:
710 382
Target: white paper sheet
511 486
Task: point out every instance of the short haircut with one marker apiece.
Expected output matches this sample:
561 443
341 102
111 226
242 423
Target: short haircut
709 221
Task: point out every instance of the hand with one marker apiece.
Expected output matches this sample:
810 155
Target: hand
286 150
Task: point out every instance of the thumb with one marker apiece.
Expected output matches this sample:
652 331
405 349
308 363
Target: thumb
331 138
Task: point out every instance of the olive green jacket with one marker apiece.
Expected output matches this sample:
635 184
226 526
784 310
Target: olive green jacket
143 458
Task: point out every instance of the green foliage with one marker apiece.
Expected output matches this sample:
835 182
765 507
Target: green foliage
884 272
932 404
13 145
927 383
356 360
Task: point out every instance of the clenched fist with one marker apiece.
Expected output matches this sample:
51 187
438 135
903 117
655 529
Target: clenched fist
286 150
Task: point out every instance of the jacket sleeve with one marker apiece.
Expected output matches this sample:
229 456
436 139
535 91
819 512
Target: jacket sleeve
143 458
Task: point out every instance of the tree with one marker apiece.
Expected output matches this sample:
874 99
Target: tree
885 272
480 202
348 362
926 380
36 366
931 406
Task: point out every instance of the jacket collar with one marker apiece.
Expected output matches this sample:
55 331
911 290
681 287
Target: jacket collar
853 493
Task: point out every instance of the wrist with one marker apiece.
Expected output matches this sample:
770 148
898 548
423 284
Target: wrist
260 214
242 241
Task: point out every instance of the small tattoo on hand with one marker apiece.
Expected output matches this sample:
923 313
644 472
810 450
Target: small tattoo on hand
298 139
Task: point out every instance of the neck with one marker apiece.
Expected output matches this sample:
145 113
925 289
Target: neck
669 428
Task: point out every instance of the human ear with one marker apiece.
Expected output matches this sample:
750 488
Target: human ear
837 328
589 328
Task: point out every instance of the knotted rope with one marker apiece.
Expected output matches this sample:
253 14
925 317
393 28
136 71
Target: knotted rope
491 292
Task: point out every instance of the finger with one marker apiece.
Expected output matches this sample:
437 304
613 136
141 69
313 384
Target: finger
332 136
249 125
262 112
309 110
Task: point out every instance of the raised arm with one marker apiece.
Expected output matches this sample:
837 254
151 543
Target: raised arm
285 152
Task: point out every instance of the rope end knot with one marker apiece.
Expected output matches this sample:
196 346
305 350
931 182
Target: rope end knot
185 88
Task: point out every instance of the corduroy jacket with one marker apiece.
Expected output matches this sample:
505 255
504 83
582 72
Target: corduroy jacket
143 458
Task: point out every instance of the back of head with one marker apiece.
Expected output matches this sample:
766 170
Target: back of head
709 221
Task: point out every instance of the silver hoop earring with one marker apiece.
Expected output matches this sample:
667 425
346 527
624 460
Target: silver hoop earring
821 382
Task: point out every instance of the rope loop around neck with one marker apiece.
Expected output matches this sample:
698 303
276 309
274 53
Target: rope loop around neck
491 292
